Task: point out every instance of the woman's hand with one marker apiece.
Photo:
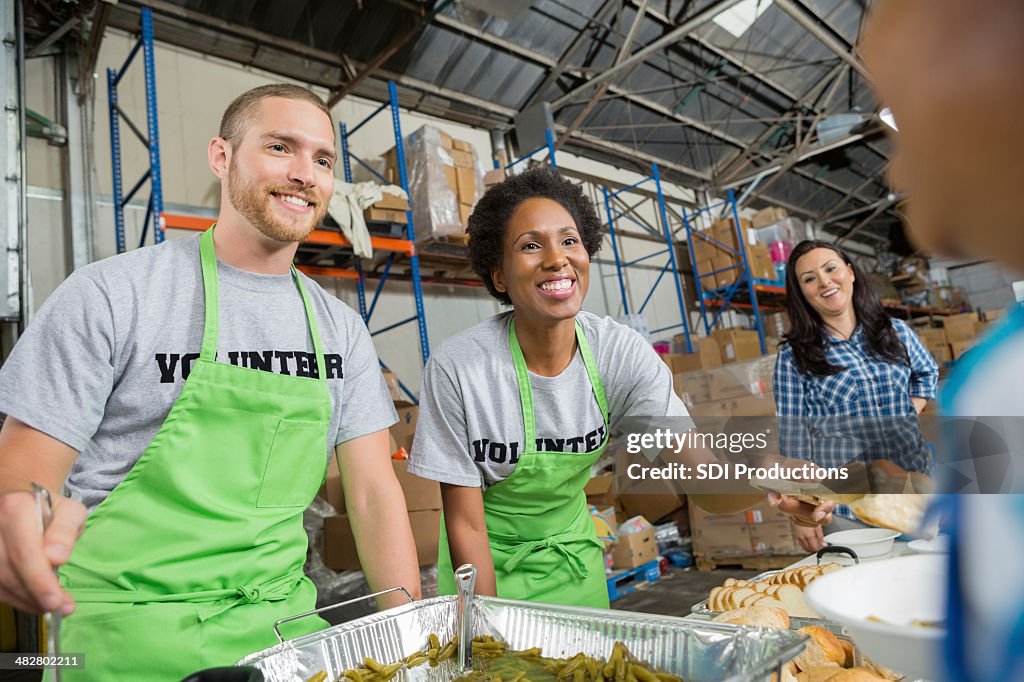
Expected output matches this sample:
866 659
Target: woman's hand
811 538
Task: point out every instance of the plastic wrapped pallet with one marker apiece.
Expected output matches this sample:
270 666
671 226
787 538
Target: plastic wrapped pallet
444 181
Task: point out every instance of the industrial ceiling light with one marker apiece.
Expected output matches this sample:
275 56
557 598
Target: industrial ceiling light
887 118
741 16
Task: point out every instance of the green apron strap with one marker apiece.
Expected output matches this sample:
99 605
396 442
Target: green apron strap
595 377
525 394
314 330
209 262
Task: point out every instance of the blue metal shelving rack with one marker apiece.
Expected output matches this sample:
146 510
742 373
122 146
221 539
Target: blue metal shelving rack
414 263
151 140
744 284
670 263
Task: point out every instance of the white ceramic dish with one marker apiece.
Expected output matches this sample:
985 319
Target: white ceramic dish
866 542
937 545
896 591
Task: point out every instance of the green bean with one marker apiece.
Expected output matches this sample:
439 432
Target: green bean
354 675
318 677
372 664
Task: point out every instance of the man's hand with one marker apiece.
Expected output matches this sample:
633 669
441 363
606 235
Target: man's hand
28 559
811 538
802 513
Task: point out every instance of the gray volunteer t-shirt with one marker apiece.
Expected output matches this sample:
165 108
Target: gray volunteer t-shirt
103 361
470 426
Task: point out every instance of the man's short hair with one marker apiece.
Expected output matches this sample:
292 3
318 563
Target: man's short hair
238 115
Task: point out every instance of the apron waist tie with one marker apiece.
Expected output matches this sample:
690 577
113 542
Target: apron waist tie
558 542
210 603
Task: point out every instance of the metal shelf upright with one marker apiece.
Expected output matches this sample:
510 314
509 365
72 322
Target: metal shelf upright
151 140
414 264
549 145
665 234
745 286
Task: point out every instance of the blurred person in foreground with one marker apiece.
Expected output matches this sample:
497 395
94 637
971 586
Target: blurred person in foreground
953 75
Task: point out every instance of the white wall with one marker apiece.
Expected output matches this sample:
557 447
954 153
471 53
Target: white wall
192 92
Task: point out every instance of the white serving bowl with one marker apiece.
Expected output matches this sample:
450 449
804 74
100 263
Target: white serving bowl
896 591
866 542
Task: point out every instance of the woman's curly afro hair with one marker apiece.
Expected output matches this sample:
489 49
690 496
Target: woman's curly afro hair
489 220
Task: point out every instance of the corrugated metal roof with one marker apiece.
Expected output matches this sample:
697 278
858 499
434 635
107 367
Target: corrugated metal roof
699 103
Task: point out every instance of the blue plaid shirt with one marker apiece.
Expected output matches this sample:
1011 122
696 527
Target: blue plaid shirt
863 412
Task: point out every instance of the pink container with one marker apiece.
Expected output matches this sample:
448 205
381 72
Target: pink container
662 347
780 251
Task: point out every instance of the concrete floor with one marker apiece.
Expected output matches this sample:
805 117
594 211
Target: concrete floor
676 591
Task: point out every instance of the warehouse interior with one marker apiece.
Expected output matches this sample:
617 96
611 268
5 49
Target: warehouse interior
710 135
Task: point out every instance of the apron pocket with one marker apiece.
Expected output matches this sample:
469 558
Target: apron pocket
134 642
295 466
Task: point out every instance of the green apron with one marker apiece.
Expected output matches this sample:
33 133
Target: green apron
190 560
543 541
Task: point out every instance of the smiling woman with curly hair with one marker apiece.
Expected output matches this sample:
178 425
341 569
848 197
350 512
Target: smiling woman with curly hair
516 410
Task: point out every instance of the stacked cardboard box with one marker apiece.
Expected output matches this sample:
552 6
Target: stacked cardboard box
760 531
444 181
742 389
422 501
736 345
705 355
389 209
768 216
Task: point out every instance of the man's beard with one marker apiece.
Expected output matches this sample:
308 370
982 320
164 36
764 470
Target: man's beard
253 202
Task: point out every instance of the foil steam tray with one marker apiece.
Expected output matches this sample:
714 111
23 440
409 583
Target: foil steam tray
698 651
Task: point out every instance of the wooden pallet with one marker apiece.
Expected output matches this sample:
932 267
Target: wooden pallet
462 239
622 583
753 563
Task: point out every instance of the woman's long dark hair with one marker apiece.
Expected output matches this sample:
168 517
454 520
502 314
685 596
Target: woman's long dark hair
807 336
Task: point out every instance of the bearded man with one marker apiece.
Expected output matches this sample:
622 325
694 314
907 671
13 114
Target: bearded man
187 398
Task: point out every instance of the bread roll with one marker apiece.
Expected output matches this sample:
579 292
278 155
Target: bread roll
758 616
855 675
822 650
896 512
818 674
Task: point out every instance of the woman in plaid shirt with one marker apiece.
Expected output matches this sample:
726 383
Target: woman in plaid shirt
849 380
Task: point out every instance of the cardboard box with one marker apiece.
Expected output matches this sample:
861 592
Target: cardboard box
331 489
963 327
390 202
377 215
958 348
635 549
717 408
462 159
940 351
426 531
692 387
339 548
720 541
599 491
465 179
465 210
727 265
706 353
651 506
605 524
452 178
420 493
737 344
404 430
930 337
392 382
725 232
775 324
774 538
768 216
761 266
461 146
707 280
494 176
446 140
753 406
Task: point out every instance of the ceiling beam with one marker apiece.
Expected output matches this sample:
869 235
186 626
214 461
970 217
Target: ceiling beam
800 16
643 53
